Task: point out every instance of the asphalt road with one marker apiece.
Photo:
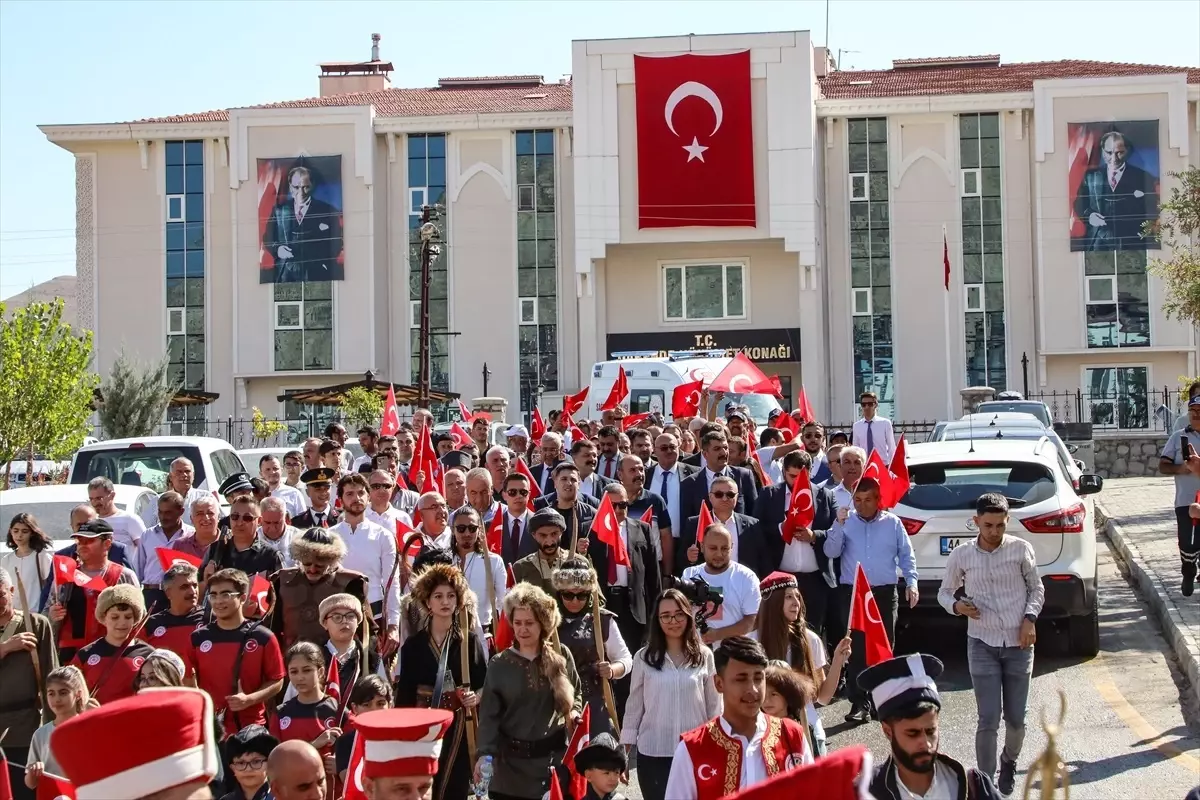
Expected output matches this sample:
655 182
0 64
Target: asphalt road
1127 735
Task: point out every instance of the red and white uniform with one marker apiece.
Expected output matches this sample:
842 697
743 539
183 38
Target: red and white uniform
712 761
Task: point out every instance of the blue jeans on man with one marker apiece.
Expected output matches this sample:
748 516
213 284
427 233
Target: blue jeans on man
1000 677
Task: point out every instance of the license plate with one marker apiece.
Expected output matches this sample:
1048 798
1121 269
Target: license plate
951 542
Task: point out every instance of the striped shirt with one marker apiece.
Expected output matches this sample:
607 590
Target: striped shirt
667 702
1004 585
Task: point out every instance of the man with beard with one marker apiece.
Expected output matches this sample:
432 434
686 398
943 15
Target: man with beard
547 527
171 629
297 592
631 473
565 500
591 483
813 437
908 702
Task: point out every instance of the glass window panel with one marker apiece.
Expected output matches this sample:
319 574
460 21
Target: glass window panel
526 282
545 169
993 296
195 263
545 197
193 179
416 146
877 156
972 268
174 292
524 143
194 292
416 172
1132 288
526 225
547 281
414 282
318 315
176 238
882 328
545 224
437 197
860 244
176 374
860 216
881 273
436 145
992 239
858 157
195 207
175 260
436 174
175 180
318 290
439 313
971 213
175 207
881 299
1100 290
194 348
1133 324
195 380
175 349
194 152
194 321
526 254
880 244
972 238
993 267
527 338
862 301
289 354
438 283
1131 262
991 181
989 125
1099 263
194 233
288 291
174 154
673 283
989 153
991 210
287 316
879 215
970 182
862 333
968 153
857 130
525 169
545 142
547 309
878 183
860 272
1102 325
734 299
548 338
858 186
968 126
877 130
318 350
546 253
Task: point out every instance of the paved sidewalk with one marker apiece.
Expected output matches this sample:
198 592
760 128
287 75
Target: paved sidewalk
1141 525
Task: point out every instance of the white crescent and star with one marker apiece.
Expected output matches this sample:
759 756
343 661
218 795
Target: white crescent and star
807 493
733 382
358 771
871 604
705 772
695 150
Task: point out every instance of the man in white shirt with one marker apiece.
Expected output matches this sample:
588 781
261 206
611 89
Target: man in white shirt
518 540
179 480
738 611
381 511
370 550
368 440
163 533
663 477
275 529
873 432
477 564
271 471
127 528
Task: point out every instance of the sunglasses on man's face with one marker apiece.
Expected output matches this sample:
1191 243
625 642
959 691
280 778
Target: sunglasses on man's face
569 596
868 403
620 505
517 492
465 528
236 517
377 486
724 495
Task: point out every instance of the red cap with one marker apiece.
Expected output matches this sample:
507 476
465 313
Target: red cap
174 734
776 581
402 742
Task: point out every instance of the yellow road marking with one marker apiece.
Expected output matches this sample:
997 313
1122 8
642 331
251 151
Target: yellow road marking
1102 680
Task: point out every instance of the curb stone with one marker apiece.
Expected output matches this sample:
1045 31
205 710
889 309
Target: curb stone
1179 636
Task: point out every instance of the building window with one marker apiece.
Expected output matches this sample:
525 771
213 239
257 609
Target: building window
427 186
983 250
704 291
1117 296
537 264
303 326
184 199
870 265
1117 396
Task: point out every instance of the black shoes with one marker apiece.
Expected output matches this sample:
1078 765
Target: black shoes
1189 585
858 714
1008 777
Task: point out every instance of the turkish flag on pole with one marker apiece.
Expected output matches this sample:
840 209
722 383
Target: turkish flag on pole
801 512
464 412
776 386
459 435
67 571
648 515
534 490
580 738
389 425
899 470
787 426
703 520
619 391
804 407
333 683
634 420
739 375
864 616
878 471
52 787
504 636
573 402
354 786
685 400
605 527
167 558
695 140
538 425
425 460
260 591
512 579
495 533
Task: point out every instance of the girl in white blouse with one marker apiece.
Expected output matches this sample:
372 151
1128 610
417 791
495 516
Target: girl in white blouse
671 692
31 560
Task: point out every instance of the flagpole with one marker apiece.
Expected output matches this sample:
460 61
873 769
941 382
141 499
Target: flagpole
946 330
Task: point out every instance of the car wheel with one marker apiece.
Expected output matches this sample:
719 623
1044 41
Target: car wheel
1084 632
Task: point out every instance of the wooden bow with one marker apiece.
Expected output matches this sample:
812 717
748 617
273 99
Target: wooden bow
27 621
469 720
605 685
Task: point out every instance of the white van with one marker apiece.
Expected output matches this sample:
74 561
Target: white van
652 380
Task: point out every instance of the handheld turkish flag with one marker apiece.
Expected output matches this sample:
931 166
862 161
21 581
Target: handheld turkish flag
573 402
804 407
579 740
878 471
403 531
512 579
389 425
801 512
695 141
605 527
648 516
619 391
464 412
534 490
685 400
538 425
495 533
787 426
167 558
459 435
5 785
504 637
865 617
333 682
739 375
260 592
844 774
633 420
703 520
899 470
66 570
52 787
776 386
354 784
425 460
555 785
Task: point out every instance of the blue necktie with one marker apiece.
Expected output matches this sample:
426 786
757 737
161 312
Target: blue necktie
870 438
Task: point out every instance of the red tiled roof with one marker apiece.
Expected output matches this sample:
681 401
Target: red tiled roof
421 102
939 79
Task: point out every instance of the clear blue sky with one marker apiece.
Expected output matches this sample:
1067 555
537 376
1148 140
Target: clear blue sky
96 61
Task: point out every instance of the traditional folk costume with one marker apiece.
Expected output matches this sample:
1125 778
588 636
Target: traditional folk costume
108 669
401 743
709 762
601 752
294 614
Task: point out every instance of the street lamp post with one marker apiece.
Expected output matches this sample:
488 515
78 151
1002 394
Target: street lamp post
430 248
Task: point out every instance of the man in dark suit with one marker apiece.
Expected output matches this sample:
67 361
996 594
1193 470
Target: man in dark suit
631 592
696 459
805 556
693 491
303 235
321 513
632 474
566 500
608 438
746 533
517 538
536 568
586 458
1114 200
551 447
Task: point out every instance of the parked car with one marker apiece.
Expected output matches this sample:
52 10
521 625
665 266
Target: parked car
146 461
1010 425
46 471
1057 519
1035 408
51 506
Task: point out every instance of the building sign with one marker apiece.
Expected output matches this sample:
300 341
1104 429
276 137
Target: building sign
764 345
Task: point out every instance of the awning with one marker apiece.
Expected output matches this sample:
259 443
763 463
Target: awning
183 397
332 395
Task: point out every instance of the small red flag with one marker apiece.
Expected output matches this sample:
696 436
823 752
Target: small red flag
605 526
512 579
354 784
504 633
555 785
260 590
464 412
459 435
740 375
425 460
899 470
685 399
841 775
495 532
776 386
865 617
333 681
403 531
66 570
805 407
579 740
52 787
648 516
523 468
801 512
703 520
631 420
167 558
787 426
878 471
619 391
573 402
390 424
538 425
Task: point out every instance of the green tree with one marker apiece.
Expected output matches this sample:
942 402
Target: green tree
361 407
47 385
263 429
135 397
1179 229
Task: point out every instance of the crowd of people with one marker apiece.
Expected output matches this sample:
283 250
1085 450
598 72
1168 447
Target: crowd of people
552 612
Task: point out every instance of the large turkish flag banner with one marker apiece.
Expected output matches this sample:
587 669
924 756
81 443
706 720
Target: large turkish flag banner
695 140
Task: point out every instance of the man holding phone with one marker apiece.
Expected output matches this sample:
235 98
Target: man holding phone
994 583
1181 459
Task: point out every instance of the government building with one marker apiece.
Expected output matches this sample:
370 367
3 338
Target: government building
943 223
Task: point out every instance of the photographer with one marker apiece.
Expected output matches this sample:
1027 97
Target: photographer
735 609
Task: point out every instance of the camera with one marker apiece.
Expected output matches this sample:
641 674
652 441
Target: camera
705 597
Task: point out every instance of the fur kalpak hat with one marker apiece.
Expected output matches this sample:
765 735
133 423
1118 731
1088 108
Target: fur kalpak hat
122 594
317 544
341 601
575 574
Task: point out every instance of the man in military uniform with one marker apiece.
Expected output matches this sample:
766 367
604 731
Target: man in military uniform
236 485
298 591
320 513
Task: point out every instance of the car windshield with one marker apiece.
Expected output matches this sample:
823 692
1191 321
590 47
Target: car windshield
138 466
1019 406
759 405
957 485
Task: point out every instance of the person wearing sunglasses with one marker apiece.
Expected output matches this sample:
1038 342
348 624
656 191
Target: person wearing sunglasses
517 541
575 583
246 754
241 548
873 432
470 552
748 545
297 591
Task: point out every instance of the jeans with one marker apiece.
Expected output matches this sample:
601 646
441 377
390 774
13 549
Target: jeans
1000 676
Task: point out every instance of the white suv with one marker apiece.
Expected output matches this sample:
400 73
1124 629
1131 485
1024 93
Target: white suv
1057 518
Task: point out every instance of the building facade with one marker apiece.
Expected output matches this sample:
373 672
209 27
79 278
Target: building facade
277 248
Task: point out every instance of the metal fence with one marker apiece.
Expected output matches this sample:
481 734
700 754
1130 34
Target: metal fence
1130 409
240 433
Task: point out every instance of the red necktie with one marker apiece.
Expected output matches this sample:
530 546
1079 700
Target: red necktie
516 538
608 467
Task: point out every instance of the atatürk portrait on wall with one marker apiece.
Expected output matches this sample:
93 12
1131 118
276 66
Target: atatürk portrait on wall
1113 181
300 219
